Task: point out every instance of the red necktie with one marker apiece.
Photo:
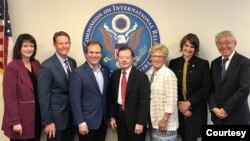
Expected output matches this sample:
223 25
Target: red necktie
123 87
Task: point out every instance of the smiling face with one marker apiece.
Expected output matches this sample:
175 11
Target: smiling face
94 54
188 49
125 59
27 49
226 45
62 45
157 59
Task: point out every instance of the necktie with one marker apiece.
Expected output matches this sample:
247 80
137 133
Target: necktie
123 88
67 67
223 68
184 81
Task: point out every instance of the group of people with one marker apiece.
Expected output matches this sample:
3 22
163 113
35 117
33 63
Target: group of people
60 98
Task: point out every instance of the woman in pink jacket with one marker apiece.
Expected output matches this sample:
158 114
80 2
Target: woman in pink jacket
21 119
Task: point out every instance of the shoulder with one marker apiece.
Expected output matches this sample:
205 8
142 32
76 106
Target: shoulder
216 60
35 62
242 58
72 59
138 73
13 65
176 60
82 68
49 61
200 61
115 73
167 72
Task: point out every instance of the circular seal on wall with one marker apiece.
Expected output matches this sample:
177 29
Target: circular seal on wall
122 25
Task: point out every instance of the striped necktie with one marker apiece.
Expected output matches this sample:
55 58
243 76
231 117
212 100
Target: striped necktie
67 67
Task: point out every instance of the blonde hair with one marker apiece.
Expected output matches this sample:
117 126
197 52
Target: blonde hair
159 47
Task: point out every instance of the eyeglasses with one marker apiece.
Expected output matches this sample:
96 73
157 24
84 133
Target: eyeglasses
226 43
157 56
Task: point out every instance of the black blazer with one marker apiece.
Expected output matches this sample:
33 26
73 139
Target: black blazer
53 92
198 84
231 94
137 99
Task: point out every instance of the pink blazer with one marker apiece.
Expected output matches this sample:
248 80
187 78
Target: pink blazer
19 101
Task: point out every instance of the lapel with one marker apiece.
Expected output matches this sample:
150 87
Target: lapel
59 67
117 76
105 79
131 79
91 75
72 66
24 76
217 70
230 67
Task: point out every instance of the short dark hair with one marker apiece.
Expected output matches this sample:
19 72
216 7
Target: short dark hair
193 39
93 42
18 45
60 33
126 48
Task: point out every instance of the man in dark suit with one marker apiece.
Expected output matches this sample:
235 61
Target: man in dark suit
230 87
53 91
129 112
88 95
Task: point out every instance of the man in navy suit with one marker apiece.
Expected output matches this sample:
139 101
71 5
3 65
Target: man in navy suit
129 113
53 91
88 95
229 93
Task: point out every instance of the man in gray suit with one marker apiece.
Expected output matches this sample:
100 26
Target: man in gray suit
230 83
53 91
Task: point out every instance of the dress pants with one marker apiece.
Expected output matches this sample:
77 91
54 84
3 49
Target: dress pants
95 135
123 133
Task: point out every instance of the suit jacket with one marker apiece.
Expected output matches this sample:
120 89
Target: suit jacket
198 84
19 99
53 92
88 103
137 100
231 94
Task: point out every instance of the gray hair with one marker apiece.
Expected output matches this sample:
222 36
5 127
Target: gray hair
224 33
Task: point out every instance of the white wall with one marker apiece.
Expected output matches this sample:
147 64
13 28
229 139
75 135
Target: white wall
174 19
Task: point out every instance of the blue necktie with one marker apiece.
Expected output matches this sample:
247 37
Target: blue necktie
223 68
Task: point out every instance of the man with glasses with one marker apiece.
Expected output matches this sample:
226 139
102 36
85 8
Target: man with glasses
229 92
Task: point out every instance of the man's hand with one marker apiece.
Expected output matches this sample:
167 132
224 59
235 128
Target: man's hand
220 113
113 123
50 130
84 130
138 129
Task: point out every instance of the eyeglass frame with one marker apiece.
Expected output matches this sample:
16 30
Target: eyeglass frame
157 56
226 43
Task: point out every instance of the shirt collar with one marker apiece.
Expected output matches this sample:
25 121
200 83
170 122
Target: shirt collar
230 57
96 70
159 72
61 59
127 70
